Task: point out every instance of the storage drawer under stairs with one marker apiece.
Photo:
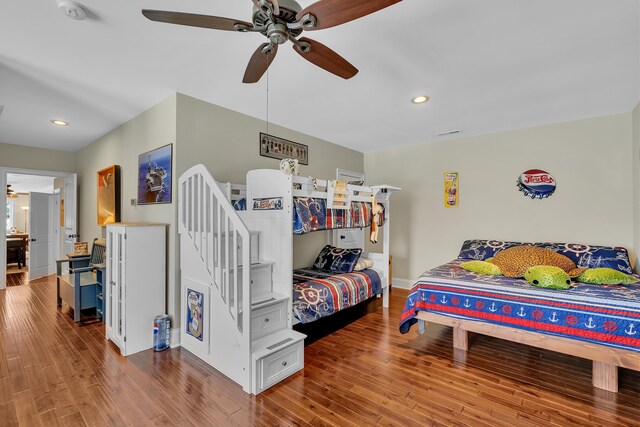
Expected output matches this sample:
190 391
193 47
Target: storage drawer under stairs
269 316
275 357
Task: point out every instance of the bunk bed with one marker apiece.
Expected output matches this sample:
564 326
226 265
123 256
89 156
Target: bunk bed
597 322
244 321
326 288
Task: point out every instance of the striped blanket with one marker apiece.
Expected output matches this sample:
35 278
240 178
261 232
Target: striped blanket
319 294
602 314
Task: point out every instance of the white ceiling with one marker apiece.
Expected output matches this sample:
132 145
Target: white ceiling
30 183
488 65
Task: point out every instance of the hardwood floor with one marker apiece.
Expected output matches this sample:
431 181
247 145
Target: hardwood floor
17 279
54 372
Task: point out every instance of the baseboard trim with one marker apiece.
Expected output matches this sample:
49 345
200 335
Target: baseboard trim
402 283
175 337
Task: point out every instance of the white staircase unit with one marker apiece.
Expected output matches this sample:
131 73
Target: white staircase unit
250 343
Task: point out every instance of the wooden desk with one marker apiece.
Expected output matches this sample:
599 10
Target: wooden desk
23 236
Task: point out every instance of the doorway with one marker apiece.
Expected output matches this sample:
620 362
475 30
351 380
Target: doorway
30 202
34 235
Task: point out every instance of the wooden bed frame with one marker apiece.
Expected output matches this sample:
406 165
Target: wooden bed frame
606 360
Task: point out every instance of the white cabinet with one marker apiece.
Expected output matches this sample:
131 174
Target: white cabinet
135 283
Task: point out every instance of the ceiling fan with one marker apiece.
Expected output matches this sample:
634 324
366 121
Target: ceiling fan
11 194
281 21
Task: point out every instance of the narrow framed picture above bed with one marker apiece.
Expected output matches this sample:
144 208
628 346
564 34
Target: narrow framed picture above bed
280 148
451 184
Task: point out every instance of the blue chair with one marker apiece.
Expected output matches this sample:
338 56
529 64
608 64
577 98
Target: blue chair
82 287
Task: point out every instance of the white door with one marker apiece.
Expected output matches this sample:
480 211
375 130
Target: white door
70 222
40 235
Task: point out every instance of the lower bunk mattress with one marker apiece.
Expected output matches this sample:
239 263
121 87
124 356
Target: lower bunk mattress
318 294
602 314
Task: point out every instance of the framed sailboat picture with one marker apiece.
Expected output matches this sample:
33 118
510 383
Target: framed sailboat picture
154 176
108 195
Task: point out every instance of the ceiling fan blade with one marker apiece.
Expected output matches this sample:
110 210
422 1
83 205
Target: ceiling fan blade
193 20
326 58
330 13
259 63
274 3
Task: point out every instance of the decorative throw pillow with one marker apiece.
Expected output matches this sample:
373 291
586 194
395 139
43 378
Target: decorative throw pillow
606 276
589 256
363 263
481 267
241 204
483 249
337 260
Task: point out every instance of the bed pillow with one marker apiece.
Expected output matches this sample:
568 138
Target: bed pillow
337 260
589 256
363 263
483 249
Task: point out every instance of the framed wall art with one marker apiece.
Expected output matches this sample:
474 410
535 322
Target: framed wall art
154 176
279 148
108 195
451 184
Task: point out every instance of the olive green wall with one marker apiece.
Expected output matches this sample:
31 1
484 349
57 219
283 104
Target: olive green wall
226 142
223 140
152 129
636 183
21 157
590 159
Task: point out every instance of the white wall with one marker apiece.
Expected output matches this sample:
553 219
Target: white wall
152 129
590 159
636 183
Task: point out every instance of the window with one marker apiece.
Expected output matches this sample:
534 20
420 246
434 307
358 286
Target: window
10 214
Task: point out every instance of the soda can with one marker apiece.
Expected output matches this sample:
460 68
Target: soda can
161 332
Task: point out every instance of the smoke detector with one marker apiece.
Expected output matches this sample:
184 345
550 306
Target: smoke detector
72 9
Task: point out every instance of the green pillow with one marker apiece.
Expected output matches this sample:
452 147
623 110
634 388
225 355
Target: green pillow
608 276
548 276
481 267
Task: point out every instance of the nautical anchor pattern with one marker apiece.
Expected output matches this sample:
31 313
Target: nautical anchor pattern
514 302
570 319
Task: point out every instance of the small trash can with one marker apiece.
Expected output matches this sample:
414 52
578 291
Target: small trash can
161 332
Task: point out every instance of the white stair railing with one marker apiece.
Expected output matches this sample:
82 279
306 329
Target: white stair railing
216 230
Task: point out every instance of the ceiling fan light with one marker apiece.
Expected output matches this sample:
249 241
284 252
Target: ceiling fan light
420 99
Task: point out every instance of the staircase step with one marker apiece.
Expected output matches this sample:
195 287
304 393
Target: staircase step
269 316
276 357
275 342
268 299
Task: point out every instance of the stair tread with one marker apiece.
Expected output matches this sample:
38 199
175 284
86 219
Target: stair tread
268 299
274 342
261 263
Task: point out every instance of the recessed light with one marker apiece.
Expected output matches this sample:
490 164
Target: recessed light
60 123
420 99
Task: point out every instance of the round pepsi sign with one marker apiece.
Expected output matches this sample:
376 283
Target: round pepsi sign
536 183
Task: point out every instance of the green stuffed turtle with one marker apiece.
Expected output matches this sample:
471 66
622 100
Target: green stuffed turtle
544 268
548 276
